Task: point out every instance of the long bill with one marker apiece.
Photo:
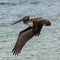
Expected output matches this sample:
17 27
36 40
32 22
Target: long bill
18 21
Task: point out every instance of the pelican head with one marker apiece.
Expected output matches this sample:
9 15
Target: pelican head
24 19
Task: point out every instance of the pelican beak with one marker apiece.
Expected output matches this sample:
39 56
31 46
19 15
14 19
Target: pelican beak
19 21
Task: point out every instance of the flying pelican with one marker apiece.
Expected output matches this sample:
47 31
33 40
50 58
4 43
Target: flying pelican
35 26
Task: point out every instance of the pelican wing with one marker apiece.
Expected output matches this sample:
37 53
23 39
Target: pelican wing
22 39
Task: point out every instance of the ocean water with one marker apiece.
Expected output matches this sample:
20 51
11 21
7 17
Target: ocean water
44 47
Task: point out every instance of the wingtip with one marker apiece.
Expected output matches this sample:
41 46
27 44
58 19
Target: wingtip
15 52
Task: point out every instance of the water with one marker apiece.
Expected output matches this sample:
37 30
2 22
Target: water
44 47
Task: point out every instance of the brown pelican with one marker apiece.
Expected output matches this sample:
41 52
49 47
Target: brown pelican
35 26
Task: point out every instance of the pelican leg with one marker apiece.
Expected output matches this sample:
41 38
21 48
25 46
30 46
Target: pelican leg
37 28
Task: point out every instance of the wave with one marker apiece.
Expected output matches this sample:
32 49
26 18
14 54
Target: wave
7 3
35 2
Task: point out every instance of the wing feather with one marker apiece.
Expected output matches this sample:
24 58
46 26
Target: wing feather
22 41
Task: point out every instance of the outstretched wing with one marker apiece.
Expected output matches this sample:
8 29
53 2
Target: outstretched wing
22 39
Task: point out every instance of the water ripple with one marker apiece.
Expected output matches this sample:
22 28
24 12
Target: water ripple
7 3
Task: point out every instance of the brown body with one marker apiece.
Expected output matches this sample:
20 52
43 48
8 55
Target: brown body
35 26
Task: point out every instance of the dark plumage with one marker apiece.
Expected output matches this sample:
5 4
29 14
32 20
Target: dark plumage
35 26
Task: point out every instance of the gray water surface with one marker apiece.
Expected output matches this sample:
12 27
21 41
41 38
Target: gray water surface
44 47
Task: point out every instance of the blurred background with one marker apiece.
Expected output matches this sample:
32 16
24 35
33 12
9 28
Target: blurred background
44 47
